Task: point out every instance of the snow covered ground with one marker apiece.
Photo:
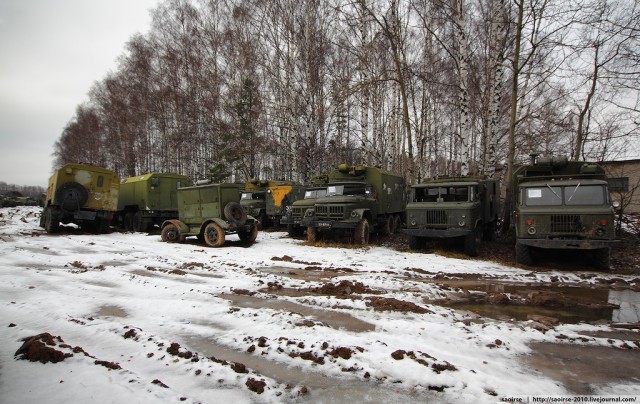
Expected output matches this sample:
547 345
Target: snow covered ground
146 321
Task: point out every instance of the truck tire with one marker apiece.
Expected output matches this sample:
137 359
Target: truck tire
602 259
102 226
294 231
389 226
170 233
51 220
416 243
128 221
71 196
249 236
312 234
234 212
472 241
214 235
361 235
523 254
138 223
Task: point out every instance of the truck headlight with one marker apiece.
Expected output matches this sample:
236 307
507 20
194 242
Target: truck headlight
531 230
461 223
97 196
413 222
308 213
354 213
600 232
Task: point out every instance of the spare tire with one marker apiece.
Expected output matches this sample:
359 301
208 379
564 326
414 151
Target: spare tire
234 212
71 196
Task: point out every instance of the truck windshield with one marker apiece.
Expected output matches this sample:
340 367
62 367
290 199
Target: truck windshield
579 194
315 193
442 194
252 195
346 190
584 195
543 196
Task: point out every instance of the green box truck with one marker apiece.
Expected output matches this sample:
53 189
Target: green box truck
148 200
359 201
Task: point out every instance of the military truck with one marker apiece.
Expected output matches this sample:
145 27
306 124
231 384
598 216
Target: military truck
210 212
359 201
293 218
268 200
148 200
81 194
463 208
561 204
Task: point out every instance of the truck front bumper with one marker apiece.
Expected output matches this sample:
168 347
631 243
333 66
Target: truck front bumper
436 233
568 244
332 224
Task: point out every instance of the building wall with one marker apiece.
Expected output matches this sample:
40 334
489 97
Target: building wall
631 169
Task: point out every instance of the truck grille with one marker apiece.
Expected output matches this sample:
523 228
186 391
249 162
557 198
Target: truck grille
435 217
298 212
329 212
565 224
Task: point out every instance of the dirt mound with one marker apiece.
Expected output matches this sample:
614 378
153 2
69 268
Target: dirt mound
391 304
344 288
39 348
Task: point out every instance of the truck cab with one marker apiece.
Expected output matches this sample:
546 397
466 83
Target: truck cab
561 204
461 207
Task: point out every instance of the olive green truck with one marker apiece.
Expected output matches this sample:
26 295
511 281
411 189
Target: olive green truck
561 204
293 218
81 194
462 208
210 212
359 201
148 200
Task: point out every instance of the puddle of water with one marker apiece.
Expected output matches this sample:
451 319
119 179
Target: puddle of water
568 304
579 367
332 319
302 274
112 311
322 389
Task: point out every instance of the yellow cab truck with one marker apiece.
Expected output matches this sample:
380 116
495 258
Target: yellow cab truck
268 200
82 194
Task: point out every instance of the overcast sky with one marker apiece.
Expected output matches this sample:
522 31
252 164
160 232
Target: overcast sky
51 53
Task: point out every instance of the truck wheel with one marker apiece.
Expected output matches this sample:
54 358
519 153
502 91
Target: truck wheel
312 234
234 212
170 233
102 226
472 241
214 235
523 254
294 231
128 221
138 222
361 235
602 259
397 222
416 243
71 196
249 236
389 226
51 221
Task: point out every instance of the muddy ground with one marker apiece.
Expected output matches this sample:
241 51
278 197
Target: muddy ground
538 300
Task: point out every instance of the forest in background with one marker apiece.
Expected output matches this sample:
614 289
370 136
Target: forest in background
281 89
